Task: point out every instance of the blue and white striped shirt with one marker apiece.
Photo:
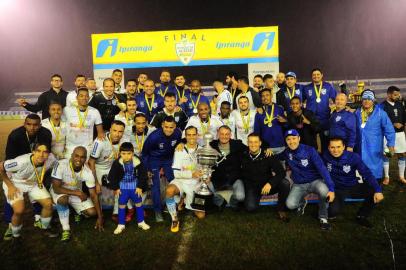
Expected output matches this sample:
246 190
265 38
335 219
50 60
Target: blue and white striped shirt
129 180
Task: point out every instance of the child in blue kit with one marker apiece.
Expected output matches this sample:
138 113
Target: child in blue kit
128 179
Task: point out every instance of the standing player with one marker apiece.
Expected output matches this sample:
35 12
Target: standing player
246 90
396 112
181 91
25 175
157 154
142 77
222 94
292 89
80 81
165 85
244 119
225 116
57 127
204 122
149 102
67 189
80 123
127 117
128 178
186 177
195 98
141 131
170 109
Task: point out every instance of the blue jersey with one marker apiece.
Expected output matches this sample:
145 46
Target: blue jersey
321 109
163 89
143 105
270 134
158 146
343 125
193 99
342 170
182 93
284 96
307 166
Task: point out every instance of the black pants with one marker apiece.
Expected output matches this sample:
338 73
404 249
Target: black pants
253 195
358 191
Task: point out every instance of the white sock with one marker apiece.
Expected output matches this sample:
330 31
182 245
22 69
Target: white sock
37 217
402 165
63 213
130 204
115 208
16 230
386 169
45 222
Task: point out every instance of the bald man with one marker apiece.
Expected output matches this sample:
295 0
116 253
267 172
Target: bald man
342 122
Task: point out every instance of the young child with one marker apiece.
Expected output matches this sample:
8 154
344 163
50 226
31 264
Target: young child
128 178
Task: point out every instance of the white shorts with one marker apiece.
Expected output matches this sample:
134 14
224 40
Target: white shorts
74 201
400 143
34 193
187 187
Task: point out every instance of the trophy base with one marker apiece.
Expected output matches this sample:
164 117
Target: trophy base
202 202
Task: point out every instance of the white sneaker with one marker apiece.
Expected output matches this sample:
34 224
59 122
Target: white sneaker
120 228
143 226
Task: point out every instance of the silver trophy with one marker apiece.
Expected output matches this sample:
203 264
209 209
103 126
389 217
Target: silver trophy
206 159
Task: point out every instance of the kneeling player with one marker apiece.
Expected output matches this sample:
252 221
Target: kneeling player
67 178
186 177
128 178
26 177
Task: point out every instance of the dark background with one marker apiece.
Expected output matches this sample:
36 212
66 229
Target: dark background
347 39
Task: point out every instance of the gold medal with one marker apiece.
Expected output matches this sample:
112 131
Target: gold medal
82 120
269 118
318 92
195 104
40 178
150 105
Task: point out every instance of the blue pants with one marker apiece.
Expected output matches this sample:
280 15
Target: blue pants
156 166
125 195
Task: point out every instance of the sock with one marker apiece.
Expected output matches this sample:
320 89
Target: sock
140 213
37 211
402 165
121 216
130 204
115 208
45 222
171 205
8 212
63 213
37 217
386 167
16 230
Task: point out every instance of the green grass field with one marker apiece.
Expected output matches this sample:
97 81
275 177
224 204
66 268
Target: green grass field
228 240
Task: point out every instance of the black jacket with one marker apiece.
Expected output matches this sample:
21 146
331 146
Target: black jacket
116 174
45 99
229 167
256 172
307 132
18 143
107 108
180 118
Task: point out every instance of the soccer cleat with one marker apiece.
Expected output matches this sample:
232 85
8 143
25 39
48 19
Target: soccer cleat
175 226
130 215
65 236
158 217
8 234
120 228
37 224
301 208
364 222
324 225
143 225
78 218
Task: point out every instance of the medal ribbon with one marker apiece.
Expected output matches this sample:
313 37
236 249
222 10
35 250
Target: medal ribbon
318 91
139 145
160 91
268 118
205 128
197 101
82 120
152 102
40 178
246 123
56 131
74 174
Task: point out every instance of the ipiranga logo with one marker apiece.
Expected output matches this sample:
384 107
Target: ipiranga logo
260 38
105 44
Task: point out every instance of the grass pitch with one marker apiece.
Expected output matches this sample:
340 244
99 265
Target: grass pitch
227 240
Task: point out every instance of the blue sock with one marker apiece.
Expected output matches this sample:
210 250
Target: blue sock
121 216
171 205
8 212
140 213
63 213
37 208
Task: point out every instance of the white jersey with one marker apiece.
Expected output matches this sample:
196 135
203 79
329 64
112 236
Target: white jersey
76 134
241 132
251 101
224 96
70 179
138 142
71 99
129 123
185 163
58 137
22 172
210 126
230 122
104 152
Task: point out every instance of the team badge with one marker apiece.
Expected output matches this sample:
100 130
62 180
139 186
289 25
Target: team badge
142 104
304 162
173 143
346 168
290 156
155 105
329 167
297 91
323 91
161 146
338 118
395 111
176 118
185 50
310 93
